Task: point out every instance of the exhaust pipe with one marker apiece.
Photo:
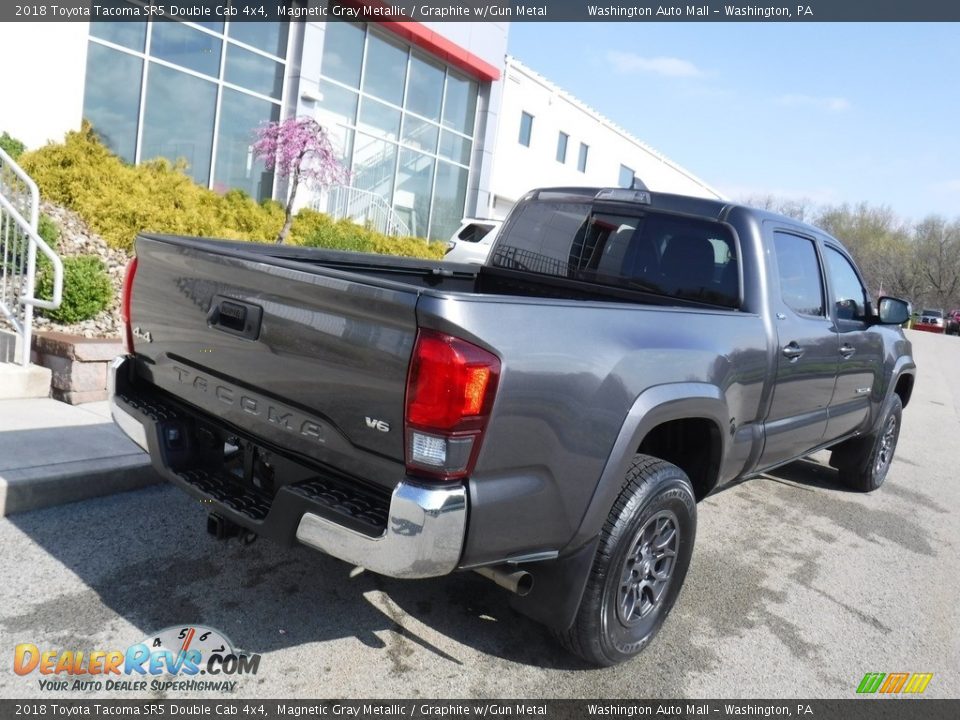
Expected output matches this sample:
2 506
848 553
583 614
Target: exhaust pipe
516 581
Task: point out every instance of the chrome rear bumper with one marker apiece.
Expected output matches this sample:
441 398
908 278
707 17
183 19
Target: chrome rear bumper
424 535
425 525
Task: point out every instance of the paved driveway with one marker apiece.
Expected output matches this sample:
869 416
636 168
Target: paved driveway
797 588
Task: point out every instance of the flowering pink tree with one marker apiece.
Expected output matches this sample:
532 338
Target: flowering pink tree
298 148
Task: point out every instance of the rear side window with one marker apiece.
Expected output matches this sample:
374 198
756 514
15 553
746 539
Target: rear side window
674 256
474 232
801 283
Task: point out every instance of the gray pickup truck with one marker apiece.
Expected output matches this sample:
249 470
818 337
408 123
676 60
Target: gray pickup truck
549 419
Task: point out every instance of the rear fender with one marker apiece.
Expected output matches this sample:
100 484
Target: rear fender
559 584
660 404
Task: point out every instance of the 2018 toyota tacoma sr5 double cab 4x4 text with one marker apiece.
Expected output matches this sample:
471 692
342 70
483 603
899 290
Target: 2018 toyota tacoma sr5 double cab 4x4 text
549 419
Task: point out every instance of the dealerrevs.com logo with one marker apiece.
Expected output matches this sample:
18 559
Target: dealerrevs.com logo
185 657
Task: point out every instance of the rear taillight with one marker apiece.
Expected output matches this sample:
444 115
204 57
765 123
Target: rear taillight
450 392
125 305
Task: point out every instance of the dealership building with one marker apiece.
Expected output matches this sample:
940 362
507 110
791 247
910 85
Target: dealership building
434 120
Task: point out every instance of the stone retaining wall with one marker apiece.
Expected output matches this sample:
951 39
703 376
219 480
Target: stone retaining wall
79 365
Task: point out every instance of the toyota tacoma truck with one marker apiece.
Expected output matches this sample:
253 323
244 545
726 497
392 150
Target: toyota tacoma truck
549 419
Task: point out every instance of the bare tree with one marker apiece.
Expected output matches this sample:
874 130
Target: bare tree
797 208
937 246
878 240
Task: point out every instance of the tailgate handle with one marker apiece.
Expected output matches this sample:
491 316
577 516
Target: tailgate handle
235 317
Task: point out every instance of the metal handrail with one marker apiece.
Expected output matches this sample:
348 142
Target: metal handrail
19 242
362 207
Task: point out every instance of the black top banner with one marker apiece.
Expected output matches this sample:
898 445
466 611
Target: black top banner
479 11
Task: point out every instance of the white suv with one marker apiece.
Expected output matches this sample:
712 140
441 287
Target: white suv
472 241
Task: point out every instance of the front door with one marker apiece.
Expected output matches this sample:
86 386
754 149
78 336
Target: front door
861 351
806 352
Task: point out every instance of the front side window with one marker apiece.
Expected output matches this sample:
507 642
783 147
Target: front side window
849 297
626 177
801 283
526 128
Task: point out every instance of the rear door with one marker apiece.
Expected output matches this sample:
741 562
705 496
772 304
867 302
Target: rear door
860 352
806 352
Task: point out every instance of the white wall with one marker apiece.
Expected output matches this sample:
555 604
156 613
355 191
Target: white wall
518 169
44 67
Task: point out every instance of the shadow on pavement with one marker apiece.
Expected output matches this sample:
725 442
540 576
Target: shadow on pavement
146 557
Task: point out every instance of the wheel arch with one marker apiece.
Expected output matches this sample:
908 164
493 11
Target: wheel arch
559 584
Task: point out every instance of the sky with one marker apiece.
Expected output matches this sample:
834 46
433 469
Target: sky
828 112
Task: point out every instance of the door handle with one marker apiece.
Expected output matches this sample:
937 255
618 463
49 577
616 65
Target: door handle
792 351
847 350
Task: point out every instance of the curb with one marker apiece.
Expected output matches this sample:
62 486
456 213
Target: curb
45 486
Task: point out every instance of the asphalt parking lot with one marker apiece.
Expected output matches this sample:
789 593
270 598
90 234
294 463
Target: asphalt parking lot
797 589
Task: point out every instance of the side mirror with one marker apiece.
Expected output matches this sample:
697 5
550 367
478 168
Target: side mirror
893 311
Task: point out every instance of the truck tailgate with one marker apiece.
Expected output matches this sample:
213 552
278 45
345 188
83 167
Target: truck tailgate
309 358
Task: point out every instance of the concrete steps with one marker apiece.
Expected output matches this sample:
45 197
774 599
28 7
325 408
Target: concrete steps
19 382
52 453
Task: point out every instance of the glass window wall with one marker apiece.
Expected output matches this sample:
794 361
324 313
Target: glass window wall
112 99
425 91
254 72
375 165
131 35
178 120
408 133
450 194
187 90
271 37
236 166
385 69
343 53
186 47
420 134
414 186
379 118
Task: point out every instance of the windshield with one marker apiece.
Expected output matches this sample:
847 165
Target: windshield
933 313
670 255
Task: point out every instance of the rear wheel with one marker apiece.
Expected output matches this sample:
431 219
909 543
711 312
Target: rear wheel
863 463
641 563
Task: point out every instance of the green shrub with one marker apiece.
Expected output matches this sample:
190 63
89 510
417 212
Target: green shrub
119 200
87 289
48 229
314 229
11 146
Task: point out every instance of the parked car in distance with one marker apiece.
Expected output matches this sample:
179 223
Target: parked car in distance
953 322
472 241
931 321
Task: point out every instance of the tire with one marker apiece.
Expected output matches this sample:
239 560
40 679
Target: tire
616 621
863 463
